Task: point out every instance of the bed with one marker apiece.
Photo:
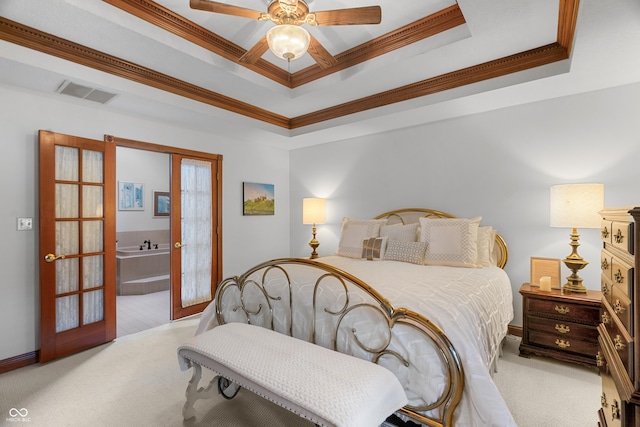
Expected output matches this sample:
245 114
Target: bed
415 290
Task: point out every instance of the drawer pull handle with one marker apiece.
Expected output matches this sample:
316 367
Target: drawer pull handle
619 237
563 343
562 309
605 289
605 318
617 343
617 307
618 277
615 410
563 329
604 265
605 233
599 363
603 400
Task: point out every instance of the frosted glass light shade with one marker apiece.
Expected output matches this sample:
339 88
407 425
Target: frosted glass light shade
314 210
288 41
576 205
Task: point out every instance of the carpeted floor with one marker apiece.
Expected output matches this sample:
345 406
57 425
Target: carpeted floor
136 381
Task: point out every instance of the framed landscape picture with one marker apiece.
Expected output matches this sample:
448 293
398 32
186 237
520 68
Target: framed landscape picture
258 199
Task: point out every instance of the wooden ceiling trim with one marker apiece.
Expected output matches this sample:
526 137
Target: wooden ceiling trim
510 64
567 21
35 39
421 29
166 19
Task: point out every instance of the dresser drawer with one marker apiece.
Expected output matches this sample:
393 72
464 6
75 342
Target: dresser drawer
619 337
606 259
565 310
561 329
622 236
610 401
605 231
606 285
622 307
622 275
565 344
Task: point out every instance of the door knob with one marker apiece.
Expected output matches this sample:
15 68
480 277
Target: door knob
52 257
178 245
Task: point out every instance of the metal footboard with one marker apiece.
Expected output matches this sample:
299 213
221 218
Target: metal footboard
324 305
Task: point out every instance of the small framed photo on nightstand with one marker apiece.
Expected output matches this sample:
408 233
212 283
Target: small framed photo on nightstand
545 267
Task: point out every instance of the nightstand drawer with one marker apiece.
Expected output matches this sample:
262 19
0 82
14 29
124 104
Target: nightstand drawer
565 310
565 344
570 330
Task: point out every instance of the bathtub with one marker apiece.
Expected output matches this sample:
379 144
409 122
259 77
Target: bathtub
127 251
143 271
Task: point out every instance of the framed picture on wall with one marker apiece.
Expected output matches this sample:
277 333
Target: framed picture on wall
130 196
258 199
161 203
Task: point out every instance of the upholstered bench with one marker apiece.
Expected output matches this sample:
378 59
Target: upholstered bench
322 385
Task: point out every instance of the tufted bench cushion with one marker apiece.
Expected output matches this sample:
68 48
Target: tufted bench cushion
322 385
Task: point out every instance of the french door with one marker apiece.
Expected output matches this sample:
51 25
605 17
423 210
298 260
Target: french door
77 244
194 233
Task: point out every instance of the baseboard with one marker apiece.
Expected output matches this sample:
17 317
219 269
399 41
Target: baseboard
19 361
515 331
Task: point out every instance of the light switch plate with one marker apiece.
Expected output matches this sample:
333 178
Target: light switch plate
25 224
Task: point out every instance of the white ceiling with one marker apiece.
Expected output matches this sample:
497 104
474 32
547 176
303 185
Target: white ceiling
606 53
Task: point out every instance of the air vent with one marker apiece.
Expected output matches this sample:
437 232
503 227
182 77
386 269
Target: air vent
96 95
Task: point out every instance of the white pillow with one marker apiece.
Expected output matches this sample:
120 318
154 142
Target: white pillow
405 233
373 249
412 252
486 243
354 231
451 241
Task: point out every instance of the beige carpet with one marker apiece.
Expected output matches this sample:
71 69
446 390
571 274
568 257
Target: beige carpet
136 381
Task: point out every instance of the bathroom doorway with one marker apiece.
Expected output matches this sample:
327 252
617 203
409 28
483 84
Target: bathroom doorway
143 181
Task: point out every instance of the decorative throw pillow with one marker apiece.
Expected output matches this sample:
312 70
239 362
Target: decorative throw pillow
451 241
486 242
374 248
405 233
354 231
412 252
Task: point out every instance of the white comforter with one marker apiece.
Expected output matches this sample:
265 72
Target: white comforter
472 306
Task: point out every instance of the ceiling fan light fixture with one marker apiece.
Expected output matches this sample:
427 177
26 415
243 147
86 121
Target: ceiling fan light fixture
288 41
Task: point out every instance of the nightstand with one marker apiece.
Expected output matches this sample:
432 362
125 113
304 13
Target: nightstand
560 325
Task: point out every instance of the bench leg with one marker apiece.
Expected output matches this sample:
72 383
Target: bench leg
193 393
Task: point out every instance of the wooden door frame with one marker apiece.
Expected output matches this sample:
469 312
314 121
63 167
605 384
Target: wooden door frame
217 211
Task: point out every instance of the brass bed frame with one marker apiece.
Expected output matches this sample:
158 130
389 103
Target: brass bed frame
252 298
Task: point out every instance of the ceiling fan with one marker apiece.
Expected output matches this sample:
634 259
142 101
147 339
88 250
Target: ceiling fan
288 40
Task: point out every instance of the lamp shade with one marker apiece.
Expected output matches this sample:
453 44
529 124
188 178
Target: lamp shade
313 210
576 205
288 41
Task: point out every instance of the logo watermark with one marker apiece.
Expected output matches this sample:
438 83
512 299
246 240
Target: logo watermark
18 416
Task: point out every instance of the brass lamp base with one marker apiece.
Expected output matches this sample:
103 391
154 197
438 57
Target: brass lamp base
574 262
314 245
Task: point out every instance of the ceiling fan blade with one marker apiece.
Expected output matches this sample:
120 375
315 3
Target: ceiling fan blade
227 9
320 54
252 55
355 16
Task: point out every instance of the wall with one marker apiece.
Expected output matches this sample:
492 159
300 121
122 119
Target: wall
246 240
499 165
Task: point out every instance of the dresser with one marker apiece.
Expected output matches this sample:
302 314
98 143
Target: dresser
560 325
618 358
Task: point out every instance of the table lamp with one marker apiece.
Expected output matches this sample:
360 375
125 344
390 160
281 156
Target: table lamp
313 212
576 206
